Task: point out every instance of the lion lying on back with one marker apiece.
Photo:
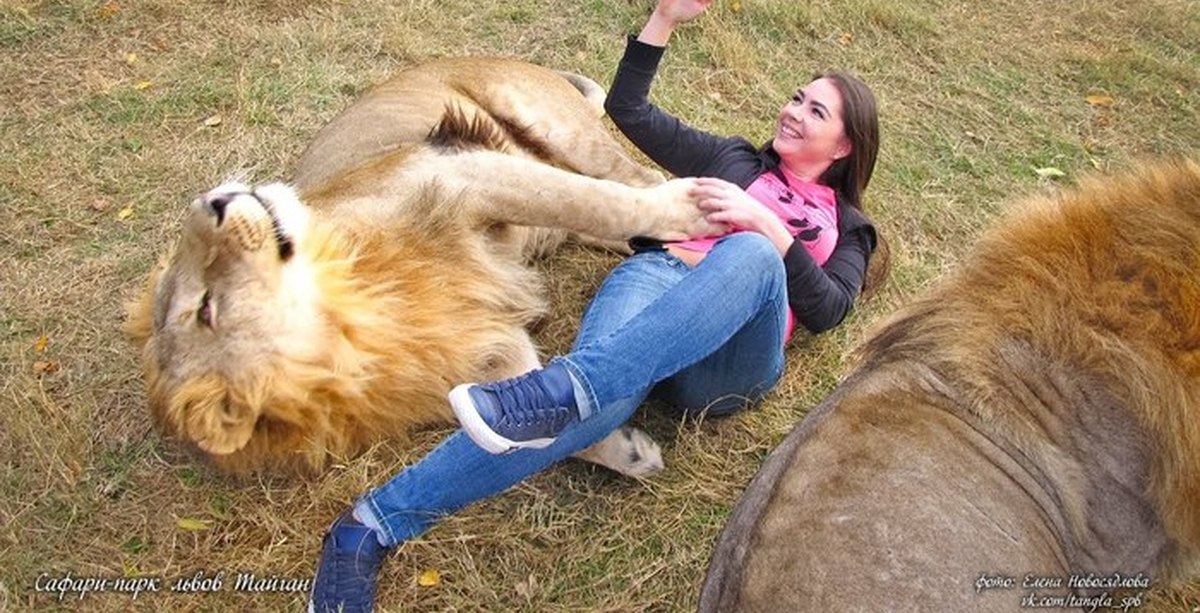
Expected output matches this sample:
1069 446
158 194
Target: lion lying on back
1036 417
295 326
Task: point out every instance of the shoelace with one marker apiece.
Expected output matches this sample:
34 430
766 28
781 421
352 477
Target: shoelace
525 400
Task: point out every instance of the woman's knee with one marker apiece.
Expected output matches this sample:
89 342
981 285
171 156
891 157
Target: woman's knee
755 251
751 243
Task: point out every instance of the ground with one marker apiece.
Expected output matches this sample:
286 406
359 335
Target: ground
114 114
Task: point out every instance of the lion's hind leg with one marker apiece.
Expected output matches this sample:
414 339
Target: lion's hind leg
626 450
556 117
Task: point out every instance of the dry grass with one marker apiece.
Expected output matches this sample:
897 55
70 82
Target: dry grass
102 109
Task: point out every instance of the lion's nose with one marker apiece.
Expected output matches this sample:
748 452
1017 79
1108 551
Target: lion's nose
218 202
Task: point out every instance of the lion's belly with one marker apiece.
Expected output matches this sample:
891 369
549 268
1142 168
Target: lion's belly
892 496
871 512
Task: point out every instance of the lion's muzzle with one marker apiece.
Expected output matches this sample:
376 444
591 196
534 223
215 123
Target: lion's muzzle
235 217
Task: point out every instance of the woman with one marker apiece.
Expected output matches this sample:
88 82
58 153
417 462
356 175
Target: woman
702 323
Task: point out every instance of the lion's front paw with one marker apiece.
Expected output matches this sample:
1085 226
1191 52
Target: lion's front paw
628 451
680 216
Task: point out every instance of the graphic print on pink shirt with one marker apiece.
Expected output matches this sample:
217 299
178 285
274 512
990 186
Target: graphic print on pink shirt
808 210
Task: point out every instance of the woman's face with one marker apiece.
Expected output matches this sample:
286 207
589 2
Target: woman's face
810 135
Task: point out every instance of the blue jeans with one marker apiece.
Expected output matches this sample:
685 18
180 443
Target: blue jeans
704 339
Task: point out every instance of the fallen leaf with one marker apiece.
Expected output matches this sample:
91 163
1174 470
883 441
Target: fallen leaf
125 213
39 346
528 587
276 62
1103 100
1049 171
45 367
131 58
129 569
429 578
143 85
212 121
735 6
846 39
188 523
109 8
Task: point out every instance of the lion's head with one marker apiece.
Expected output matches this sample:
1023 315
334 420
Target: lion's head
215 327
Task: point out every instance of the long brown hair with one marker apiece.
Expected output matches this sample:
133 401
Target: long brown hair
850 175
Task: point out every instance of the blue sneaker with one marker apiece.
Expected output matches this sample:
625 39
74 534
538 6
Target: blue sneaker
350 561
524 412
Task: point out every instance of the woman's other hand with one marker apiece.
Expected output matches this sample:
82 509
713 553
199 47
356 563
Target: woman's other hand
667 15
726 203
676 12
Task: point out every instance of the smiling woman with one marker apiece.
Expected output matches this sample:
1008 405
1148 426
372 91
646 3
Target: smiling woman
811 130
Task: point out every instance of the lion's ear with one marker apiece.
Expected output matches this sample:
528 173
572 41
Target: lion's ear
207 413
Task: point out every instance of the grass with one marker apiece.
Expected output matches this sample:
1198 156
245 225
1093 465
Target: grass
103 139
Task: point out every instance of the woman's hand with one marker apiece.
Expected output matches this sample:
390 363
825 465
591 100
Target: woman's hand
666 16
725 203
676 12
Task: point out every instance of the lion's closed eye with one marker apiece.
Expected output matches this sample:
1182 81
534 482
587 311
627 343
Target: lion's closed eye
204 314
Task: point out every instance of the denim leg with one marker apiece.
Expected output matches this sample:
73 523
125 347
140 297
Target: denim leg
458 472
635 283
632 286
737 291
737 375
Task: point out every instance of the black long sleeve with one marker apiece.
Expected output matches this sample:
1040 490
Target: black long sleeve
682 150
819 296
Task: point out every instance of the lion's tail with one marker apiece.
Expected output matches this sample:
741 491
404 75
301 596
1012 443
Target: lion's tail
590 89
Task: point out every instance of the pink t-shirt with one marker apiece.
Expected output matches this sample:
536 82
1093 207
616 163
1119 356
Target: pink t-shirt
808 210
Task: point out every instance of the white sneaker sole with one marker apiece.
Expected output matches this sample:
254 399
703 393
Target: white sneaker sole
480 432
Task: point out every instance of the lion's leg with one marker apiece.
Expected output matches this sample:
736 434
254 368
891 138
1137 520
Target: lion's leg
503 189
588 149
626 450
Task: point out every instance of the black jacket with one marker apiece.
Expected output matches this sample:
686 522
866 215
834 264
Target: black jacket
820 297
